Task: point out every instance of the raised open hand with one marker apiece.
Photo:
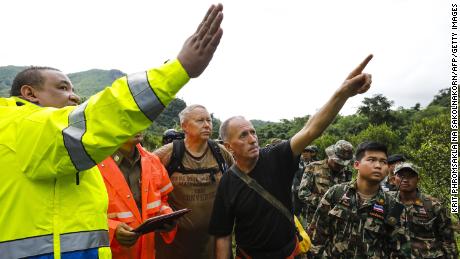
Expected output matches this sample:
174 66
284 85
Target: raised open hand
357 82
199 48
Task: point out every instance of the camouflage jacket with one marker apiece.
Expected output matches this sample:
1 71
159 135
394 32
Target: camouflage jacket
298 175
344 228
316 180
424 231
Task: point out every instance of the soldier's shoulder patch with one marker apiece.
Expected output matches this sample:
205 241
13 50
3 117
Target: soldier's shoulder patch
392 221
377 208
376 215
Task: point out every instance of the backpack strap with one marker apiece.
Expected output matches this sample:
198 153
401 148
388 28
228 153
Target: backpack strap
175 162
217 153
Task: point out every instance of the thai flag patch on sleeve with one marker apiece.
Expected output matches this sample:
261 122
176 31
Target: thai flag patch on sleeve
378 208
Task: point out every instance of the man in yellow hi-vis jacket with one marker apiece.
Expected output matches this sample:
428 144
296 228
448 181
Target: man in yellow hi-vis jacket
52 197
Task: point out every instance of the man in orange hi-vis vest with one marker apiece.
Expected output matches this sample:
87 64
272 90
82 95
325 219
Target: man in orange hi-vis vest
137 184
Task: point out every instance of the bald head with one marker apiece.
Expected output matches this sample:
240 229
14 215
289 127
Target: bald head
240 139
225 126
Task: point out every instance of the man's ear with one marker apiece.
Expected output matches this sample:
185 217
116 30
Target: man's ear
356 165
227 146
29 93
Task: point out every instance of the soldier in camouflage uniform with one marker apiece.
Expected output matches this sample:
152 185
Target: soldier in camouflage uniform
424 229
308 155
351 219
393 161
319 176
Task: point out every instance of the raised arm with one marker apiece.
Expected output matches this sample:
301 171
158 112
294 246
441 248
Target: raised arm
356 83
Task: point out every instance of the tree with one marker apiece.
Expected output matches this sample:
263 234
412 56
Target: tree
442 98
377 109
323 142
297 124
402 120
416 107
426 145
215 126
381 133
168 119
347 126
152 141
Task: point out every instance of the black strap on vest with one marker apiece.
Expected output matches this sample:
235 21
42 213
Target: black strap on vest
175 163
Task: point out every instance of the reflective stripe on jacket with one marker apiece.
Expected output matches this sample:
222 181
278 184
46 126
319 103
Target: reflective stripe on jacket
155 186
43 209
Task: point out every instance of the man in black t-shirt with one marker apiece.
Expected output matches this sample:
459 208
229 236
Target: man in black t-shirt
262 231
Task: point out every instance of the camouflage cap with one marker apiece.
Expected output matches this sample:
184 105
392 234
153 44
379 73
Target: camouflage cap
406 165
311 148
341 152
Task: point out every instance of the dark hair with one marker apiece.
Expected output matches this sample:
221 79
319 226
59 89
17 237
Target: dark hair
393 159
30 76
369 146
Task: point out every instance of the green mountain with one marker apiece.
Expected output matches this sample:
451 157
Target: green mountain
89 82
7 75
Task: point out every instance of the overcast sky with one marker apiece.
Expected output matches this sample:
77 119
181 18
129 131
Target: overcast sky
277 59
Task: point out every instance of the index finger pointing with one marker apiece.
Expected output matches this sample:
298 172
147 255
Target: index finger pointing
361 67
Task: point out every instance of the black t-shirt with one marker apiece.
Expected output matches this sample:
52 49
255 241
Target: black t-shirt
259 226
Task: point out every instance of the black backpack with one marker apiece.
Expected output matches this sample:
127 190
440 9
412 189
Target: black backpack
175 163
